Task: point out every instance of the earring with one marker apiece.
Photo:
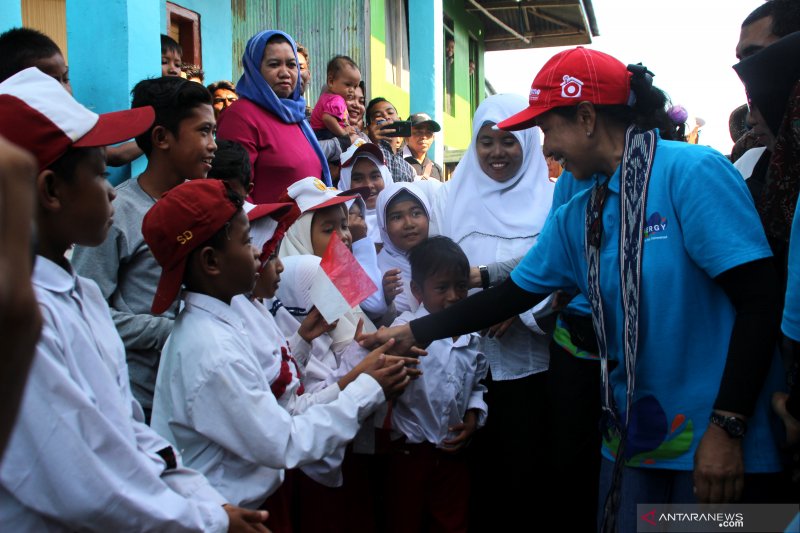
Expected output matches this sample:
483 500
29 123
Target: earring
588 133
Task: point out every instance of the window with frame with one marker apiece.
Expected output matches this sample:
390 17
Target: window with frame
183 25
474 77
396 35
449 66
50 18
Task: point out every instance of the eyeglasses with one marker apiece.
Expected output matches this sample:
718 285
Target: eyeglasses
227 100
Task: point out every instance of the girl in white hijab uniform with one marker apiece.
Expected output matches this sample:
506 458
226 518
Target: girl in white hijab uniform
391 256
345 184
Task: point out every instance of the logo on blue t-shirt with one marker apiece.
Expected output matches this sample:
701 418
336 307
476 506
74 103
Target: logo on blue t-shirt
655 227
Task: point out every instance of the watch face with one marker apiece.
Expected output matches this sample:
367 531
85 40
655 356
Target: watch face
735 427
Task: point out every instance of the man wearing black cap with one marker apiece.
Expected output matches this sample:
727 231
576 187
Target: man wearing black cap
422 129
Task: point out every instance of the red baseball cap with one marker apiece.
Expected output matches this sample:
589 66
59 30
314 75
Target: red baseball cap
571 77
42 117
268 225
356 149
183 219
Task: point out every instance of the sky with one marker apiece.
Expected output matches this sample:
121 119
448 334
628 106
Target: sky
688 44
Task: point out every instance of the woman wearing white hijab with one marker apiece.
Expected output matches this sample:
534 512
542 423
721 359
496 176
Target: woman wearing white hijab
494 208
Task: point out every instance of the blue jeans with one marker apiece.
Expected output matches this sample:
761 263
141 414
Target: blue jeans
653 485
643 485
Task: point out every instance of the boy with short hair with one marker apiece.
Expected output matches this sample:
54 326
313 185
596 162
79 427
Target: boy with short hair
179 146
438 413
232 164
213 398
171 56
80 457
22 48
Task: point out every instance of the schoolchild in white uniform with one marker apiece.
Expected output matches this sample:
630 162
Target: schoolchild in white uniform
323 213
363 165
81 457
213 399
403 219
364 170
438 413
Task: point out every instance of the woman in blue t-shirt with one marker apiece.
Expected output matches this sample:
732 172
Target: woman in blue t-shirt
667 248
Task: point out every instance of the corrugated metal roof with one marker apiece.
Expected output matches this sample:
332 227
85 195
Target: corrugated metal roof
324 28
509 24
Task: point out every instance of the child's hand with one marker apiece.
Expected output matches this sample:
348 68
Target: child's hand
313 325
244 520
391 374
463 432
410 362
358 226
392 285
401 334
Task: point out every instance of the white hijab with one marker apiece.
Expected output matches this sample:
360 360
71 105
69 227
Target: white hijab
494 221
390 256
297 240
297 276
345 185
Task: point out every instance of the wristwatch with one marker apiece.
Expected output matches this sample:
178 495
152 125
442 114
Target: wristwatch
484 270
735 427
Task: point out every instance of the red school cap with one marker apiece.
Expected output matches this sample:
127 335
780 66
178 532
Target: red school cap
571 77
183 219
42 117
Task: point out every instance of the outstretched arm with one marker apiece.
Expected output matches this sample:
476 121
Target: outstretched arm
475 313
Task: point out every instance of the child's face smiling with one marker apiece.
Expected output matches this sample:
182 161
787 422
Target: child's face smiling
366 174
406 224
327 221
192 150
441 290
86 199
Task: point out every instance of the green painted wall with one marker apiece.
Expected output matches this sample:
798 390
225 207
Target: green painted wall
377 84
458 127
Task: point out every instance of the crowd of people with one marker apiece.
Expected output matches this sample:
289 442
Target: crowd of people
591 310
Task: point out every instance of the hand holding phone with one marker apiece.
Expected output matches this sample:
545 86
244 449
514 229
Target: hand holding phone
398 128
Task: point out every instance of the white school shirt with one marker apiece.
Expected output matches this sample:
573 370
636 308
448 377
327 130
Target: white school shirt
213 401
267 340
448 387
364 252
80 456
320 365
